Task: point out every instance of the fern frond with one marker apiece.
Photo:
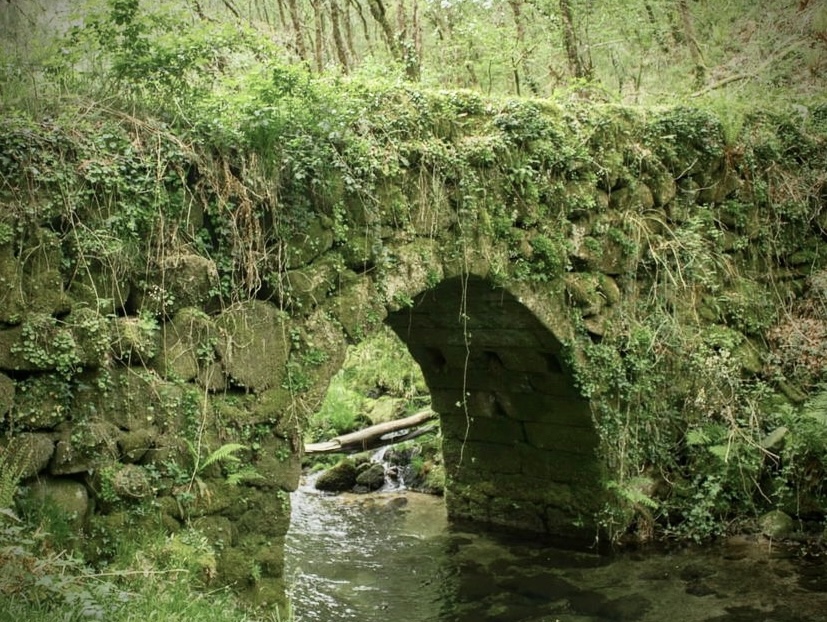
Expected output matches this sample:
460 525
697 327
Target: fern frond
247 474
225 453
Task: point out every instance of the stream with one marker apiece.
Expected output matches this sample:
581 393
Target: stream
393 556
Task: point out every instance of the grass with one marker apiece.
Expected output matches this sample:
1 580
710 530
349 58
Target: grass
159 578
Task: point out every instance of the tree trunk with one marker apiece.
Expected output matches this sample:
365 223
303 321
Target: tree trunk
692 42
377 10
338 42
298 34
374 436
318 46
576 65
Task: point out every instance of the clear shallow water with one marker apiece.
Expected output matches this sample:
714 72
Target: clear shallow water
393 556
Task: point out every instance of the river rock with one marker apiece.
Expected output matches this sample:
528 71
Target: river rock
338 478
776 524
370 479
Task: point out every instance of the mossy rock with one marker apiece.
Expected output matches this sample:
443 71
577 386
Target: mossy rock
359 308
315 239
41 402
134 444
370 478
134 399
131 482
339 478
33 284
309 286
68 495
135 340
100 288
188 345
85 446
254 344
181 280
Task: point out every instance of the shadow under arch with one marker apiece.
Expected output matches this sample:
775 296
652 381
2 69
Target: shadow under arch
519 442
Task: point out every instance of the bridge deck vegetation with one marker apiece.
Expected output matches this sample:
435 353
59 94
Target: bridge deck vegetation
173 176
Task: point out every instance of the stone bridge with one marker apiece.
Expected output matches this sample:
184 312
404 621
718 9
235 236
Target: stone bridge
503 243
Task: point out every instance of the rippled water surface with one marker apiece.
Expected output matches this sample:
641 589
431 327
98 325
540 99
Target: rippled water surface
394 557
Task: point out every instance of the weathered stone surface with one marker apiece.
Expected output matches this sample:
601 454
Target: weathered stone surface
254 344
314 239
358 308
188 345
776 524
370 478
309 286
101 288
41 402
135 340
132 399
632 198
181 280
134 444
339 478
279 464
67 494
131 481
417 268
85 446
30 281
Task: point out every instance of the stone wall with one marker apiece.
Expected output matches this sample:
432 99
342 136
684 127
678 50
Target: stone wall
493 251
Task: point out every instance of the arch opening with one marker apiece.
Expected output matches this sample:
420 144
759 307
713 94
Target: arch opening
518 440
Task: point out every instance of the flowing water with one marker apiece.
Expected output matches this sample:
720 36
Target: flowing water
393 556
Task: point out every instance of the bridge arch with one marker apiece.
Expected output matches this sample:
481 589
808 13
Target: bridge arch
518 440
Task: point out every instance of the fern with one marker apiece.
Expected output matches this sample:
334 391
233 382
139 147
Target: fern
11 470
225 453
247 474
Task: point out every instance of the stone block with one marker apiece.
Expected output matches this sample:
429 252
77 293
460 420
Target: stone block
254 344
550 436
68 495
181 280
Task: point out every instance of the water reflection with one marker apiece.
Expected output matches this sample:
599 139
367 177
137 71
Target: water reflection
393 557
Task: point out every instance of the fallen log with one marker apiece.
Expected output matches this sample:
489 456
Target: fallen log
376 435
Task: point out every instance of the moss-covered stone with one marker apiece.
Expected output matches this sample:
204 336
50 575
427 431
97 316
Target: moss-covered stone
70 496
309 286
188 345
358 308
40 403
135 340
315 239
177 281
30 279
254 342
339 478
